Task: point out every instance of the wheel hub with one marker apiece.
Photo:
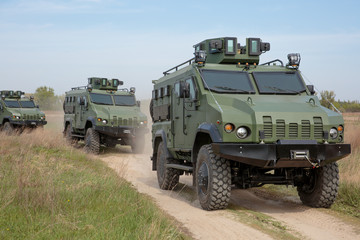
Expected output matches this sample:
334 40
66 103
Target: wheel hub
203 178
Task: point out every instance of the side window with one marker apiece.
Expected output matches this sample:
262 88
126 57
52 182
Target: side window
85 101
192 94
177 89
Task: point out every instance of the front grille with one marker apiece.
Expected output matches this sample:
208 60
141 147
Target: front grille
305 129
280 128
318 127
293 130
267 126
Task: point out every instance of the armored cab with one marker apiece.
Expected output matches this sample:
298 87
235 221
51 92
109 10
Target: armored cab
18 112
232 122
102 114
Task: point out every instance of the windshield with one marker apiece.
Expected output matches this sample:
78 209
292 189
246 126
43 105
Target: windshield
101 99
27 104
12 104
124 100
279 82
227 81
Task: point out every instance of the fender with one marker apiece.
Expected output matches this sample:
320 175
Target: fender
92 120
210 129
159 134
69 120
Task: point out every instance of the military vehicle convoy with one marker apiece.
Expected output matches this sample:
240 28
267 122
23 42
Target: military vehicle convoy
102 114
18 112
232 122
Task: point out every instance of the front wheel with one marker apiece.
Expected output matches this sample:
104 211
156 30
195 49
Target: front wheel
9 129
320 186
213 179
92 141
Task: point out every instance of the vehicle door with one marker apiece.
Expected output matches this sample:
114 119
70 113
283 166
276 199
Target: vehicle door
177 114
190 117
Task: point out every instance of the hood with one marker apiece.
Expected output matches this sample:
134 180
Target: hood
279 116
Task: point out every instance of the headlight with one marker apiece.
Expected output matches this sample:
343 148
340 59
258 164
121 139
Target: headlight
242 132
229 127
333 133
104 121
42 118
16 117
143 123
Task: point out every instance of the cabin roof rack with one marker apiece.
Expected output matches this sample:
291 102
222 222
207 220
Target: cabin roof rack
79 88
176 67
276 60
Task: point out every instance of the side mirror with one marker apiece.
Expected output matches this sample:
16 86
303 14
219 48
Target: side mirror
138 103
82 102
311 89
37 106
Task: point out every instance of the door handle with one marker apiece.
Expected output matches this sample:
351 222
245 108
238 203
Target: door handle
189 115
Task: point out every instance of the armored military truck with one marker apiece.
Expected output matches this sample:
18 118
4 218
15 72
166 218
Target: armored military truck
232 122
18 112
100 113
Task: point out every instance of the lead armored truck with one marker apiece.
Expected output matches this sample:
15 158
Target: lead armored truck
232 122
18 112
102 114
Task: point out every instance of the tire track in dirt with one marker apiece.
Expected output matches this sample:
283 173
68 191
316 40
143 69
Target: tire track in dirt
183 205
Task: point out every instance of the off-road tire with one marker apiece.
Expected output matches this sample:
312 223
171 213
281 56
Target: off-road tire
71 140
321 188
8 129
138 145
92 141
213 179
168 178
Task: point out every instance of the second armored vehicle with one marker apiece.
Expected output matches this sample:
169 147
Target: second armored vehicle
99 113
234 123
18 113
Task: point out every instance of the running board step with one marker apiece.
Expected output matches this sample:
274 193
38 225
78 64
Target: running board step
178 166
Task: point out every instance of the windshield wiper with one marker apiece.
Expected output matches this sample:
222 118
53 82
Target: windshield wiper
232 89
284 90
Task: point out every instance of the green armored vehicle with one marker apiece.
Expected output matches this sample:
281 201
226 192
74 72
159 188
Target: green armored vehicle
100 113
18 113
232 122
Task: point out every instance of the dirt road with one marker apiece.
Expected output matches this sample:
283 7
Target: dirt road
294 219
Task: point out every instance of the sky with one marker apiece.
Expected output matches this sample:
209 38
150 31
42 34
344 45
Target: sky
60 44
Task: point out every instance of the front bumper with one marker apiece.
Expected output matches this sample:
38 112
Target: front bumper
29 123
121 131
279 155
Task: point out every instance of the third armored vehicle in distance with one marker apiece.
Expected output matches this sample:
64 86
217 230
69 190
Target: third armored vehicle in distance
232 122
100 113
18 113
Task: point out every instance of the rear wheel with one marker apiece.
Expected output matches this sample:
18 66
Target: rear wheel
8 129
168 178
68 135
321 186
92 141
213 179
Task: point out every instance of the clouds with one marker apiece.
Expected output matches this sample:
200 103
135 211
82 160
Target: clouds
62 43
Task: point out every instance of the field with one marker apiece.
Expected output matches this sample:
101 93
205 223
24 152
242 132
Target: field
49 190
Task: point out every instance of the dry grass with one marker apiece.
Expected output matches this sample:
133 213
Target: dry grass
49 190
349 167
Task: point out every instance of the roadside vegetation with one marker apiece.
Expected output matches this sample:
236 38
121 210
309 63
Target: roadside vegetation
49 190
348 200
